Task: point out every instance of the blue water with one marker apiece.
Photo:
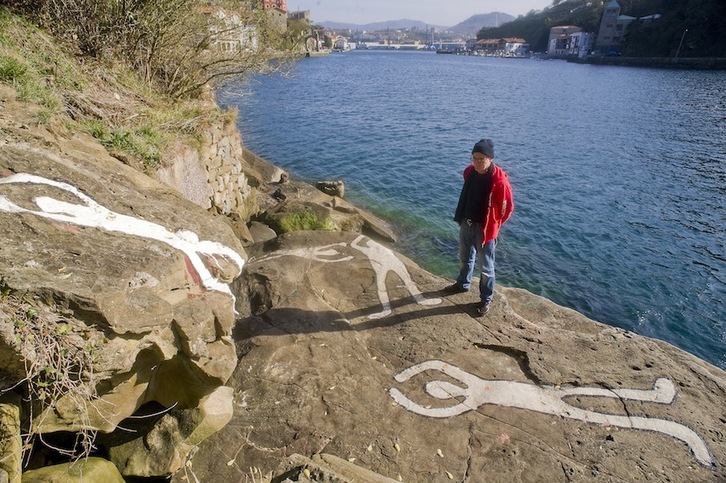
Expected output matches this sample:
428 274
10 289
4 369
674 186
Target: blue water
619 174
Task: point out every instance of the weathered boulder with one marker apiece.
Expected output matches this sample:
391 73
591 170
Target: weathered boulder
261 233
85 470
165 445
347 348
332 188
137 274
260 171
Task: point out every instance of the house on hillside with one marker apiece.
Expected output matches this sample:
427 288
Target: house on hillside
276 11
613 28
231 33
300 15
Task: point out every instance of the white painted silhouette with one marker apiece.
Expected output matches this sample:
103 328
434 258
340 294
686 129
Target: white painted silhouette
91 214
545 399
382 259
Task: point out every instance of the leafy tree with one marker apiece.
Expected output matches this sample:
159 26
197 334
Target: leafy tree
699 24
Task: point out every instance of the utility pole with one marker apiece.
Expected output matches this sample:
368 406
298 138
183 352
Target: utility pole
681 43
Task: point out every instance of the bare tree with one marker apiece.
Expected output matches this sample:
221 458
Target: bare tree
179 45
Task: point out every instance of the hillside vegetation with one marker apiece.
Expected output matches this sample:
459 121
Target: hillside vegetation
704 19
135 75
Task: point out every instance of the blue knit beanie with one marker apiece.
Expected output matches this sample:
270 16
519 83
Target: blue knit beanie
484 146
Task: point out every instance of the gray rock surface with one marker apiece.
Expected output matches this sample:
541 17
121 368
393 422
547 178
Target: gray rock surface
331 358
429 392
10 437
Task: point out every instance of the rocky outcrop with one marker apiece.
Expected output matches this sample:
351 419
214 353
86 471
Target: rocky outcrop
125 268
307 356
349 349
294 200
170 440
332 188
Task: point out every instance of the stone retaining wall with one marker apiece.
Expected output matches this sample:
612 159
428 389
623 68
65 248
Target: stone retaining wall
212 176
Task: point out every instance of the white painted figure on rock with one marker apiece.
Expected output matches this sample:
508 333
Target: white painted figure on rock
382 259
545 399
91 214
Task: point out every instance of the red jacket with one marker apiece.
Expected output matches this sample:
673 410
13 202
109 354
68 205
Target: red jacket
500 205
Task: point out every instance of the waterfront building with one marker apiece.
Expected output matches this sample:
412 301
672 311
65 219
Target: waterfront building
503 47
340 43
515 47
568 41
612 29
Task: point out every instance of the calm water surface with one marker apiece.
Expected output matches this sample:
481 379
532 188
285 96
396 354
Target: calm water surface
619 174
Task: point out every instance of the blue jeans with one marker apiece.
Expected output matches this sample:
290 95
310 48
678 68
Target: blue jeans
474 254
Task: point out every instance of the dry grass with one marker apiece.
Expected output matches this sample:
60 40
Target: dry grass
58 365
106 99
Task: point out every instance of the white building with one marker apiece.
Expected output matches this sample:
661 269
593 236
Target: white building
232 34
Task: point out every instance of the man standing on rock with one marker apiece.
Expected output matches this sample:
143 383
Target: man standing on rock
485 203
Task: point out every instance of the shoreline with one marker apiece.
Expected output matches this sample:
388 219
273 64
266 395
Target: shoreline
700 63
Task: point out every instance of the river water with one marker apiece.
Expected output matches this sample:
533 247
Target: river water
619 174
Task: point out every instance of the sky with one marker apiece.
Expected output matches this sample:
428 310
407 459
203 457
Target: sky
434 12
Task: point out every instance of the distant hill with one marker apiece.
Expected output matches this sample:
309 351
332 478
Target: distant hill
469 26
391 24
475 23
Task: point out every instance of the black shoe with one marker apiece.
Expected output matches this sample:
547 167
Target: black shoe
455 288
482 310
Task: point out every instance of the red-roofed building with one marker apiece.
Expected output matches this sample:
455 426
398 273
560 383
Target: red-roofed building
502 47
277 4
277 11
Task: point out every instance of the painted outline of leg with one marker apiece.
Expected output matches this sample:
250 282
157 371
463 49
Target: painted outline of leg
383 260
